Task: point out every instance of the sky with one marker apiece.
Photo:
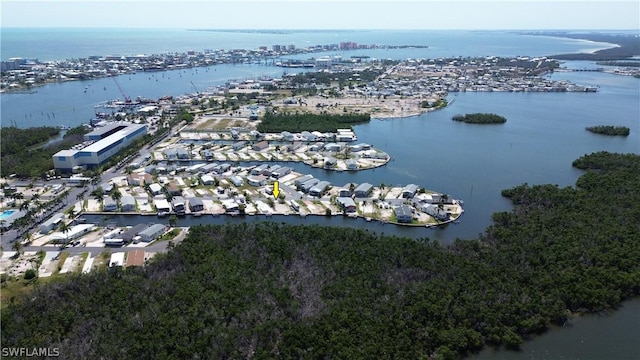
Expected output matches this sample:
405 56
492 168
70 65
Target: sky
325 14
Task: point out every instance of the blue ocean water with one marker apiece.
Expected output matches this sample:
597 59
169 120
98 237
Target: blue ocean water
59 43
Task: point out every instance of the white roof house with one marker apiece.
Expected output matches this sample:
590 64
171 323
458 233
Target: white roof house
117 259
155 188
74 232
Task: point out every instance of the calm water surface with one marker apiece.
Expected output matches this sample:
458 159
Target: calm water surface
543 135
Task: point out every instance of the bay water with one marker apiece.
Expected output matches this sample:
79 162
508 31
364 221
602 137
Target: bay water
544 132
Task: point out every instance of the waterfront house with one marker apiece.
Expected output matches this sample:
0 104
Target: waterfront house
179 204
330 162
268 171
409 191
436 199
282 171
404 213
195 204
222 168
162 205
259 146
294 205
360 147
307 136
230 206
308 184
127 203
108 204
128 235
346 204
345 136
435 211
351 164
259 169
363 190
344 192
208 168
319 188
193 169
287 136
152 232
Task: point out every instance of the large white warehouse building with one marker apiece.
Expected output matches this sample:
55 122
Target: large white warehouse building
101 143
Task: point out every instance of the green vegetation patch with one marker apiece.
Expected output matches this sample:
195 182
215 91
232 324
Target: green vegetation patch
270 290
609 130
20 156
439 104
297 122
480 118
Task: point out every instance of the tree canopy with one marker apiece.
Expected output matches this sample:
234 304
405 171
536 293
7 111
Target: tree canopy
609 130
480 118
21 156
267 290
297 122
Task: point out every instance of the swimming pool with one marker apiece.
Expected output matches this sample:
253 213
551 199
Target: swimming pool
5 214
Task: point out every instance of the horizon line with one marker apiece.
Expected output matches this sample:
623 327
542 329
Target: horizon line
315 29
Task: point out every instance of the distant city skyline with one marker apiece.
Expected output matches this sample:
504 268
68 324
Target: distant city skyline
326 14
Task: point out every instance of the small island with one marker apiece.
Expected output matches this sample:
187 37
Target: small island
609 130
480 118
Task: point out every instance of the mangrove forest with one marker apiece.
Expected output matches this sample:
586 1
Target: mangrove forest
269 290
480 118
609 130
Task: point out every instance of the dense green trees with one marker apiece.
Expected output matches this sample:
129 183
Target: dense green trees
22 157
480 118
609 130
297 122
269 290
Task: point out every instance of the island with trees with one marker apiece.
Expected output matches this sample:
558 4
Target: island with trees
480 118
270 290
609 130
